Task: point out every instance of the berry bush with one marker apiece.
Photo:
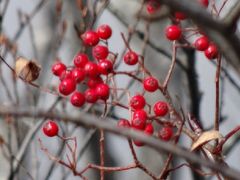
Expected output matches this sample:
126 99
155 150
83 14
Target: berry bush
85 93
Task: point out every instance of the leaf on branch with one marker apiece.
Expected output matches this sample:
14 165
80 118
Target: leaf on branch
206 137
27 70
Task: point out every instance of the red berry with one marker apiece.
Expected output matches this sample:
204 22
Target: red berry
152 6
204 3
137 102
77 99
100 52
58 68
149 129
102 91
67 86
91 69
66 75
211 52
150 84
105 67
104 31
139 119
93 82
160 108
90 95
78 74
201 43
180 15
165 133
50 128
80 60
173 32
138 143
90 38
123 123
130 58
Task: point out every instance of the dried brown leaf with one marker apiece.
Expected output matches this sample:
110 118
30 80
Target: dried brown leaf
206 137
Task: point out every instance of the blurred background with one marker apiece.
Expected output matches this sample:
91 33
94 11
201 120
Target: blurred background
35 30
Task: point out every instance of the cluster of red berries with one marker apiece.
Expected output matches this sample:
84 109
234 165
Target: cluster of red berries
87 72
140 118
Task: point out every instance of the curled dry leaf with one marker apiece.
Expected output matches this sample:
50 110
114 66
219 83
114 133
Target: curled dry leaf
206 137
27 70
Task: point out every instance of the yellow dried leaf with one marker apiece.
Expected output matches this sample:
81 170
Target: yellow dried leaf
206 137
27 70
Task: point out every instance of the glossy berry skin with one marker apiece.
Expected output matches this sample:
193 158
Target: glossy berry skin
102 91
139 119
77 99
160 108
78 75
150 84
91 69
104 31
105 67
100 52
80 60
58 68
66 75
90 38
152 6
67 86
165 133
123 123
149 129
173 32
90 96
137 102
204 3
211 52
130 58
180 16
50 128
201 43
93 82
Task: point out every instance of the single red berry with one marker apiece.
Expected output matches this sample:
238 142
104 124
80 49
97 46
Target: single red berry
80 60
152 6
67 86
160 108
150 84
138 143
204 3
173 32
180 15
50 128
139 119
100 52
130 58
165 133
77 99
104 31
211 52
91 69
105 67
90 38
90 96
66 75
149 129
124 123
102 91
201 43
78 74
58 68
137 102
93 82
